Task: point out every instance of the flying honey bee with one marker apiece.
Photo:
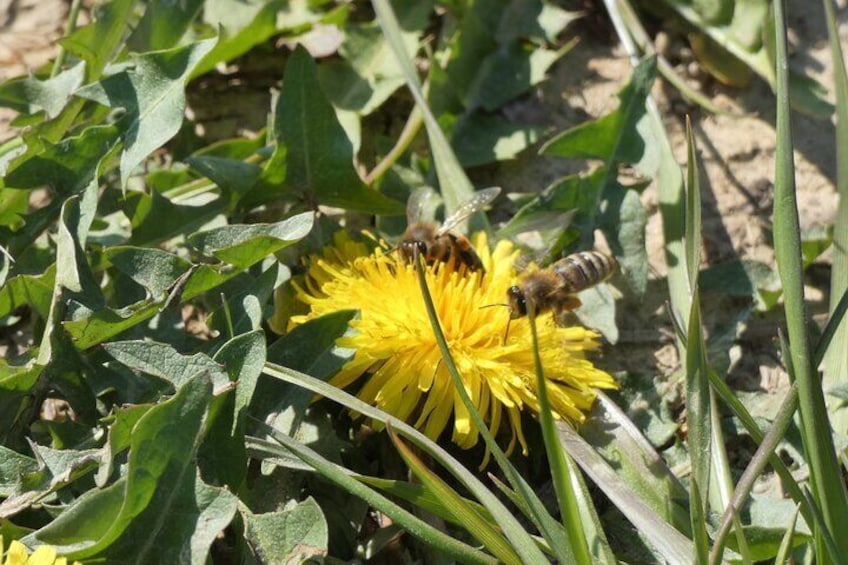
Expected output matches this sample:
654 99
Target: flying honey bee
555 288
440 243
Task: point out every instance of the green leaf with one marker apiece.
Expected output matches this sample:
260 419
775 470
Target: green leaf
164 23
28 95
65 167
509 72
151 92
244 25
234 177
623 223
247 306
34 291
223 454
56 469
152 268
159 510
319 155
163 361
244 245
614 137
97 42
369 73
155 218
292 536
13 466
481 138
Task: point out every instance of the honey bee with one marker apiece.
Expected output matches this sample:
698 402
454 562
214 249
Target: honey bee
440 243
555 288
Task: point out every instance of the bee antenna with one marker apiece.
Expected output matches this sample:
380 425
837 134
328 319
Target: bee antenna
493 305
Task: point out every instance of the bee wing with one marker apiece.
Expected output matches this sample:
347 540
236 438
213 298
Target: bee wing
474 204
418 201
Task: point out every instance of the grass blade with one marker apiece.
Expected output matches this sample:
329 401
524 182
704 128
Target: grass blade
454 184
556 537
673 545
836 363
560 469
407 520
480 528
500 513
828 487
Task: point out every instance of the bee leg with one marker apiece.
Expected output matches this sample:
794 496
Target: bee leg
563 310
571 302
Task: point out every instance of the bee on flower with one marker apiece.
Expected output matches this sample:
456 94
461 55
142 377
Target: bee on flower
397 358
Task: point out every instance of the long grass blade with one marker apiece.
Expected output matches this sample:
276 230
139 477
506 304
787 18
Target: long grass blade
504 518
454 184
464 514
836 363
408 521
560 469
829 490
554 534
673 545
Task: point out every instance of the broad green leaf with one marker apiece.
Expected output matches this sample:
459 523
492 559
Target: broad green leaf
65 167
319 155
292 536
152 268
121 423
163 25
369 73
14 204
107 322
234 177
55 470
34 291
614 137
248 306
245 25
480 138
223 453
13 466
159 511
510 72
244 245
99 41
310 348
714 11
163 361
623 222
155 218
151 92
29 95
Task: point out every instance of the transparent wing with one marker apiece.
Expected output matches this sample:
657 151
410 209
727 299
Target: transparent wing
418 201
475 204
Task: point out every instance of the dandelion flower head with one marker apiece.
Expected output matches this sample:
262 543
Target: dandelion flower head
396 351
17 554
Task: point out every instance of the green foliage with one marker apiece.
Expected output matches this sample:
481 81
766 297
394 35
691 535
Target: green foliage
147 266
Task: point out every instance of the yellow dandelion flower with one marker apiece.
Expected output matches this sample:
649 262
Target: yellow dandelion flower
394 342
17 554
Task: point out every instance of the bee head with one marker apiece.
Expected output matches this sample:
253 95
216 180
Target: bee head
517 302
408 247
